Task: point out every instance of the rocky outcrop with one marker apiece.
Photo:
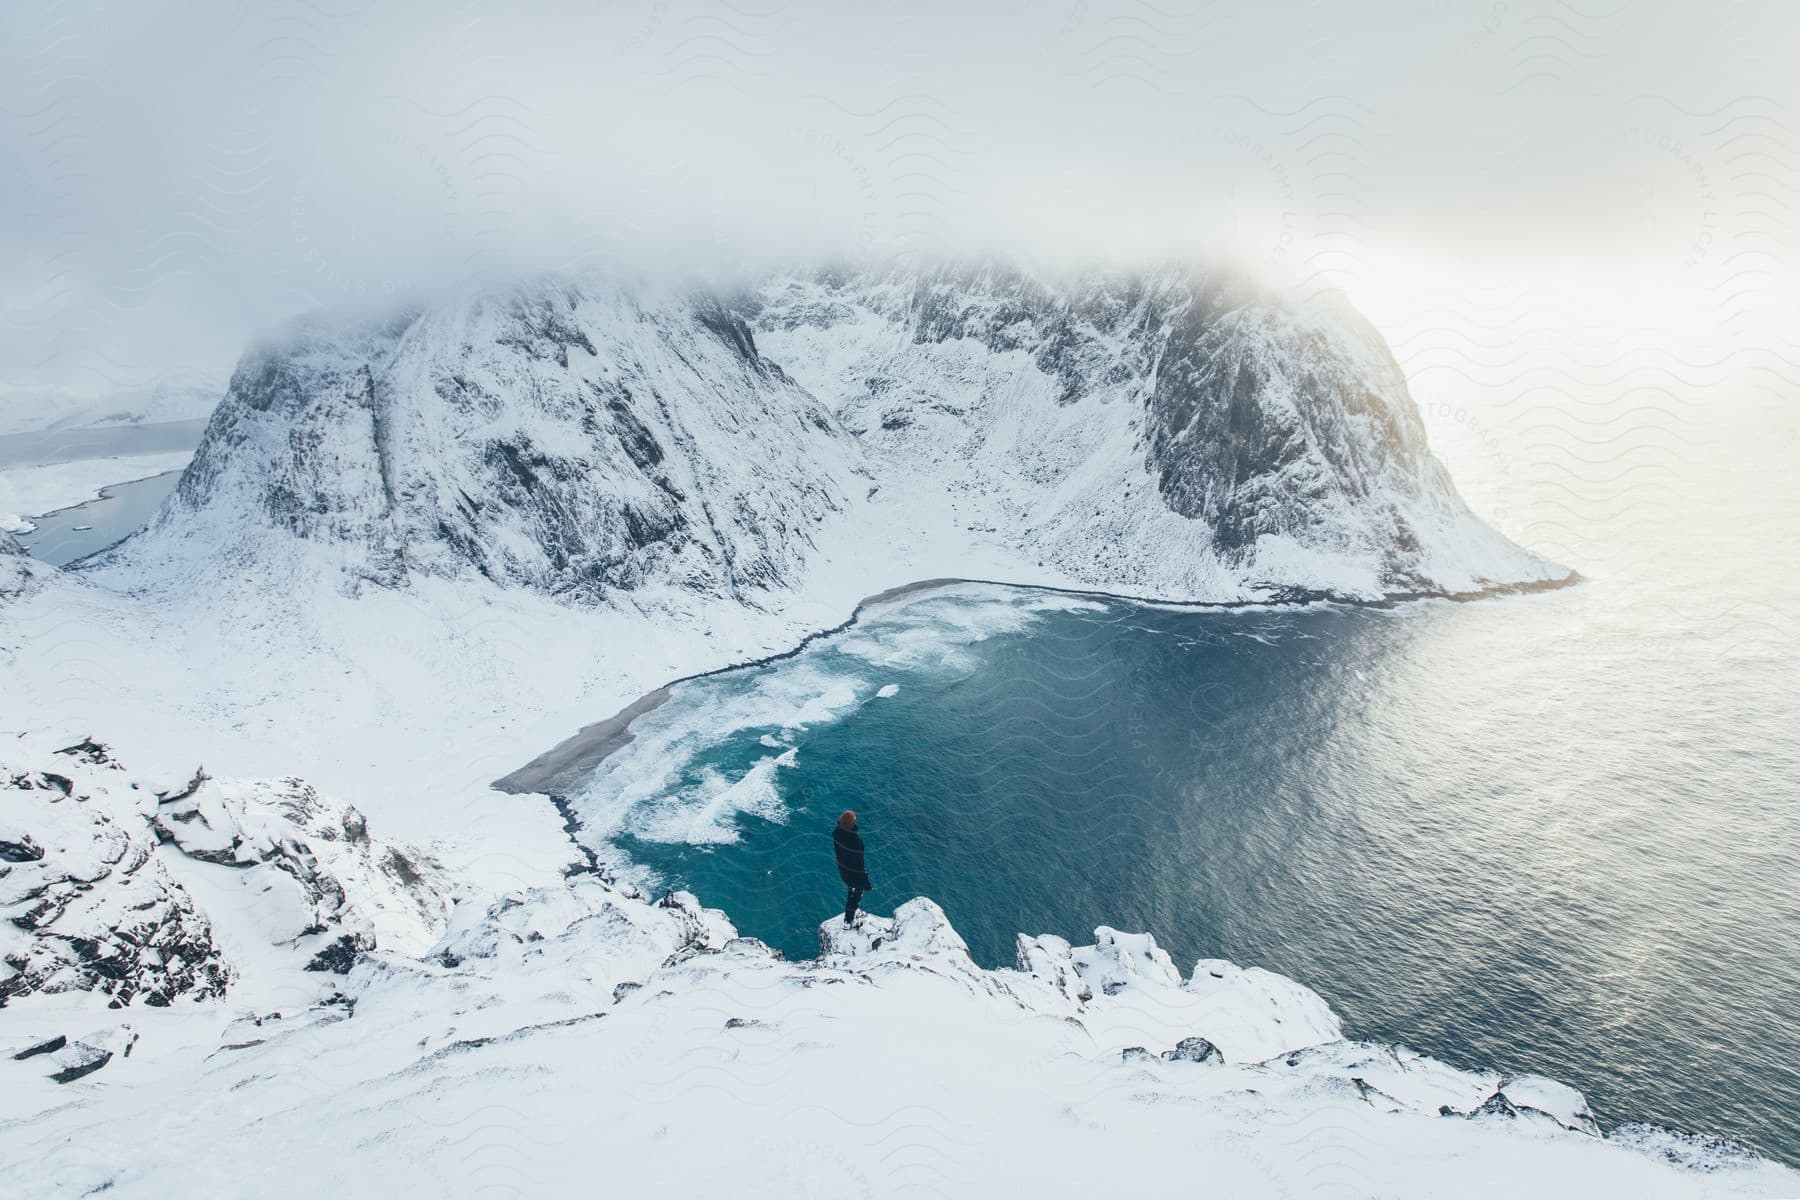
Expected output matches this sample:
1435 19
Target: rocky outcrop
320 884
87 903
1533 1097
17 570
97 880
63 1059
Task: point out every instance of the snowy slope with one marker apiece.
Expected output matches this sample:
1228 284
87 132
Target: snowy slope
17 569
583 1031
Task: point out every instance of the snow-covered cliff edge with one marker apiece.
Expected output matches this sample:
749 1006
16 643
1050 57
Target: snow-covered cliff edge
585 1027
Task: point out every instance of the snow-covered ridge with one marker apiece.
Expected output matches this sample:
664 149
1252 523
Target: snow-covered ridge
589 1014
1176 434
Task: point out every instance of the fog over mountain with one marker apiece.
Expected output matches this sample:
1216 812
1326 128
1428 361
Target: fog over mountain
177 180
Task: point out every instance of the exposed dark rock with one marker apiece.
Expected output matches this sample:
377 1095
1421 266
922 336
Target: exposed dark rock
22 850
341 954
98 910
47 1046
1194 1049
91 752
88 1059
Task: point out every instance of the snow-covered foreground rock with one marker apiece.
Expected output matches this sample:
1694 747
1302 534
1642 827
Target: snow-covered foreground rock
584 1032
127 894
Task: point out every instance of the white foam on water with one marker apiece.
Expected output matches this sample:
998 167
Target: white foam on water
655 788
706 813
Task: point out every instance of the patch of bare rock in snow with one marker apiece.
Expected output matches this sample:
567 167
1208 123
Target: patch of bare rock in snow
145 897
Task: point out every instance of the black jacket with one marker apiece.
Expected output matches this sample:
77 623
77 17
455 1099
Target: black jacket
849 847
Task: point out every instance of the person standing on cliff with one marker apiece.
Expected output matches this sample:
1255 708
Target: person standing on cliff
848 844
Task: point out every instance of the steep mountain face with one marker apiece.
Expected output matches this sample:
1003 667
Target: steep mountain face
1170 434
579 441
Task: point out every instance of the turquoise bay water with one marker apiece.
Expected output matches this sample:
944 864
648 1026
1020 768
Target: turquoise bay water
1551 833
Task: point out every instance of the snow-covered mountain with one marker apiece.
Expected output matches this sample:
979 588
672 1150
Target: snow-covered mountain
1173 434
578 441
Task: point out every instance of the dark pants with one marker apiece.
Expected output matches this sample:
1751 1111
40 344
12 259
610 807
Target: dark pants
850 903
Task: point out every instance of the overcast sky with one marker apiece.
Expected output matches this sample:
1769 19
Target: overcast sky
173 182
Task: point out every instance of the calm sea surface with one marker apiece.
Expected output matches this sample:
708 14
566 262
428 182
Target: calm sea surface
1554 833
120 510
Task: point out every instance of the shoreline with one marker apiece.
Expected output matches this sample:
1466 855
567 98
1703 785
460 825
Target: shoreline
593 744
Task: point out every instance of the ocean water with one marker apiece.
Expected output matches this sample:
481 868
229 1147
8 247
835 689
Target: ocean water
121 509
1553 833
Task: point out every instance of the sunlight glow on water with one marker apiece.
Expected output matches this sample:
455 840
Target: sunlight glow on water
1531 834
